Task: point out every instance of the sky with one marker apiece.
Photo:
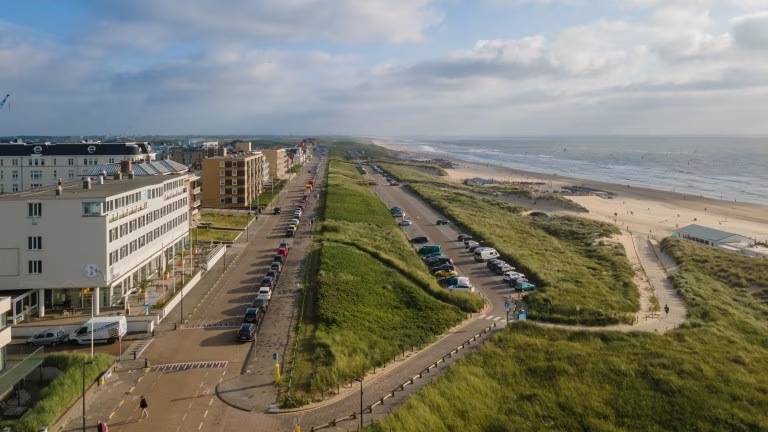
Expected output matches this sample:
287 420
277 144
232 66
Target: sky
384 67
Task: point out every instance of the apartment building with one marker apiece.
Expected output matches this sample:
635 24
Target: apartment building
193 156
279 163
104 234
233 181
25 166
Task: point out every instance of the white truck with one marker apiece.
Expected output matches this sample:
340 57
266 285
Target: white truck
103 329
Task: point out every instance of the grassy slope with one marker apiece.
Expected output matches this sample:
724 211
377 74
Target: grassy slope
373 295
559 254
707 376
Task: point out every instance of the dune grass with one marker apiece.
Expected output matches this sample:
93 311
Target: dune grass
707 376
372 296
564 257
209 234
63 391
226 220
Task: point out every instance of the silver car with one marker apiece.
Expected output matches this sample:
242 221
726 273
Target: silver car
50 337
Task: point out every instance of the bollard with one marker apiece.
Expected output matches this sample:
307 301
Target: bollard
134 355
153 332
146 363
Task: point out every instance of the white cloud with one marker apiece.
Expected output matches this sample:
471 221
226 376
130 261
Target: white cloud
751 31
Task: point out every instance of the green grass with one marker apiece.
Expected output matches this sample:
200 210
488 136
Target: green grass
370 296
226 220
203 234
59 395
707 376
269 194
563 256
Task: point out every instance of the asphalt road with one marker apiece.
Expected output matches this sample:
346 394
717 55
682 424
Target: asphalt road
184 399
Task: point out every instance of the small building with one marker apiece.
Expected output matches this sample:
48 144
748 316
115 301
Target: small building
233 181
710 236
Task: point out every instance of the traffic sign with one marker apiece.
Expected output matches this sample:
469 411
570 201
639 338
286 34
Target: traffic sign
274 356
146 309
506 306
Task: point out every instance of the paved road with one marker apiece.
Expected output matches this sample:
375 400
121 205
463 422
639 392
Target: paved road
188 364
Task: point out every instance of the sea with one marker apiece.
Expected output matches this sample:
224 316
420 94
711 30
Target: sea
725 168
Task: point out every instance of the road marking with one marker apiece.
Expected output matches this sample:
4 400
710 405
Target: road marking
131 390
498 318
206 414
482 316
190 404
121 403
173 367
210 402
185 417
110 415
201 426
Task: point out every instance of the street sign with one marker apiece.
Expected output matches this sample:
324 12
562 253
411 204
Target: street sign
506 306
274 356
152 298
146 309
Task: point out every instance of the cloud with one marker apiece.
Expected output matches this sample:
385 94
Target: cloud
751 31
147 23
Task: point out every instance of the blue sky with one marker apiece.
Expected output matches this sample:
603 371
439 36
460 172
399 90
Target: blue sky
384 67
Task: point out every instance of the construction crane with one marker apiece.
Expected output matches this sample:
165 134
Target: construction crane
2 104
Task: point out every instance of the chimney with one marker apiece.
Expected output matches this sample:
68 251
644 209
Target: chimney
130 175
101 178
126 166
87 183
118 176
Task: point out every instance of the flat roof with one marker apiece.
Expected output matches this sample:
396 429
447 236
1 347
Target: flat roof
705 233
74 190
235 156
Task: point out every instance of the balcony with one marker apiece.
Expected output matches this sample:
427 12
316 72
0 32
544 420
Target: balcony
196 190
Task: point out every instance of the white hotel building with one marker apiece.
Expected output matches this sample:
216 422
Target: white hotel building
106 234
25 166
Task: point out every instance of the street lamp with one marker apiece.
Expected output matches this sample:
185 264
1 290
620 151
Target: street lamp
360 380
84 363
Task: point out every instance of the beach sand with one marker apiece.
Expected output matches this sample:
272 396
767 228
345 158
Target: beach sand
642 211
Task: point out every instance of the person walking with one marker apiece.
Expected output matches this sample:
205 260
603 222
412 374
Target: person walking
143 405
100 427
666 309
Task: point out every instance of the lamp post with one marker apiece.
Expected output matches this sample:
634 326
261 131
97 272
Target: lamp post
84 363
360 380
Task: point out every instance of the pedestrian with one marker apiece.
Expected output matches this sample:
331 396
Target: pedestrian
143 405
666 309
100 427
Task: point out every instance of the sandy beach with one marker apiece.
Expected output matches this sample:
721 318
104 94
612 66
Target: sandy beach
644 211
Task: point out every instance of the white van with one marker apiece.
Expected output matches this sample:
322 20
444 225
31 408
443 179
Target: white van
103 329
485 254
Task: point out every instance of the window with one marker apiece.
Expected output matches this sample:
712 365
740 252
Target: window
35 267
34 209
222 200
71 162
234 182
35 243
221 164
91 209
111 160
71 174
15 162
222 191
36 174
15 175
234 173
221 173
15 187
222 182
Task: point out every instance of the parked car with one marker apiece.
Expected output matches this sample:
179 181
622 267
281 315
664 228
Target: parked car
436 268
273 274
445 273
442 222
246 333
474 248
462 283
260 302
294 221
265 291
279 258
405 222
437 260
283 251
252 315
432 255
503 269
463 237
448 281
470 244
289 233
522 284
267 281
512 277
285 245
277 210
277 266
494 262
51 336
420 239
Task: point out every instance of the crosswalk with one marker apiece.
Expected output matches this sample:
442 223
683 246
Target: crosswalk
492 317
190 365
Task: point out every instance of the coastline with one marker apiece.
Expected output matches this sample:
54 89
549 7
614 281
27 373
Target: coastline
651 212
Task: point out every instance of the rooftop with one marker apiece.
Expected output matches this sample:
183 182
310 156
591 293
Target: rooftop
235 156
705 233
74 190
143 168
